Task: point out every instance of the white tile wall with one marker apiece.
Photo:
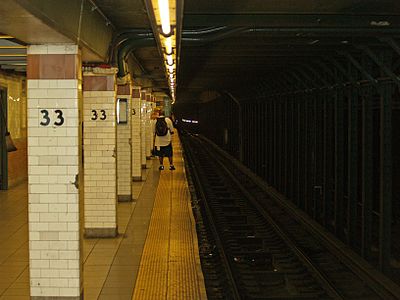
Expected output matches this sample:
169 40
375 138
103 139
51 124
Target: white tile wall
53 49
148 129
124 172
54 250
136 139
99 151
150 134
143 118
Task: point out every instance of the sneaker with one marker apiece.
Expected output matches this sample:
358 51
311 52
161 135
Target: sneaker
171 167
161 167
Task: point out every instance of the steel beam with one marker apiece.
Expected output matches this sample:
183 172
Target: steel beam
385 182
299 153
352 160
295 23
395 46
367 173
359 67
240 123
339 163
382 65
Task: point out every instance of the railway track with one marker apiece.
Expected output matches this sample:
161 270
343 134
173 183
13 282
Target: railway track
253 248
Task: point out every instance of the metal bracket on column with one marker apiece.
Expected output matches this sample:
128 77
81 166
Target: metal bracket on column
323 66
262 87
327 84
395 46
359 67
300 81
383 67
281 87
390 41
289 83
339 67
308 78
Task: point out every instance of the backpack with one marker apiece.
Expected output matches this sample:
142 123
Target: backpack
161 127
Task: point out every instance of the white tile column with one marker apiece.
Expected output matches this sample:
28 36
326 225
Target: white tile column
99 152
143 120
55 210
149 134
136 136
152 106
124 148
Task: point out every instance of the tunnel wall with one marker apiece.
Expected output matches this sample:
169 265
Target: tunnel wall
324 150
219 121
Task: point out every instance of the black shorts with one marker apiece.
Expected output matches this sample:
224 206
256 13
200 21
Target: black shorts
165 151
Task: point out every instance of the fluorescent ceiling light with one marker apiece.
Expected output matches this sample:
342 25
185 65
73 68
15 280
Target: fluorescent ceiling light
170 61
168 45
163 8
171 69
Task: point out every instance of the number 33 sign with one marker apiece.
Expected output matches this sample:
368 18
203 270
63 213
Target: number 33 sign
47 117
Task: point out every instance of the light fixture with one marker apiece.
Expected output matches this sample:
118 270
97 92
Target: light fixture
165 15
171 69
170 60
168 45
163 7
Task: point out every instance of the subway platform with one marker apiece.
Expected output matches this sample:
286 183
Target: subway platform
154 256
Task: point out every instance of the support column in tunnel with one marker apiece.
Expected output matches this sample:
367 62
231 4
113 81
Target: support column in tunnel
136 135
124 143
54 139
99 150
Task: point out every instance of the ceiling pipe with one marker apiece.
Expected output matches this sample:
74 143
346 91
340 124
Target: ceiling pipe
125 49
188 35
125 42
207 38
130 40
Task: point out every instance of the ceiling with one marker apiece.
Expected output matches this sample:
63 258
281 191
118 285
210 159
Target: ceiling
274 37
234 46
12 54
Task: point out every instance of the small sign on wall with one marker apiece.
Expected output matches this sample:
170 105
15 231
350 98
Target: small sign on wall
122 111
51 117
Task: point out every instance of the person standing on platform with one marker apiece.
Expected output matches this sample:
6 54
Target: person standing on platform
162 130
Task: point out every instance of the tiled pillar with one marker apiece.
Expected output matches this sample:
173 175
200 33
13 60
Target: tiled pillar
54 129
149 134
143 120
124 153
99 152
136 136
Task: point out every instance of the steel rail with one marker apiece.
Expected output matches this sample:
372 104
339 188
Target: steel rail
213 227
330 289
380 284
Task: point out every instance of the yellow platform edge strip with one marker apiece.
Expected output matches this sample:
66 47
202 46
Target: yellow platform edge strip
170 267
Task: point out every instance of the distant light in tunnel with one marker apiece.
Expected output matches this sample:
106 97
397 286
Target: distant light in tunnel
190 121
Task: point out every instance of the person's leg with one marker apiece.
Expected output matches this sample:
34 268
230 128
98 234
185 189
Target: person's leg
161 159
171 162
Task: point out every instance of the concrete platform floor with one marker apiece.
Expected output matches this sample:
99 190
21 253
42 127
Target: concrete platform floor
155 256
110 265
